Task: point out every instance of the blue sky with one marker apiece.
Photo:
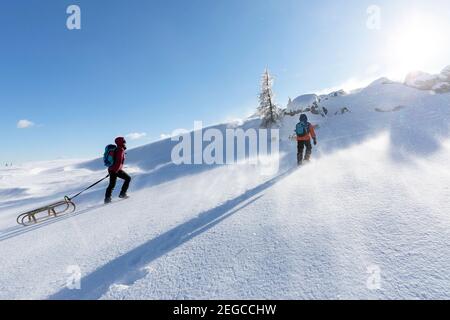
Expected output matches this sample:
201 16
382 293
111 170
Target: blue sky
154 66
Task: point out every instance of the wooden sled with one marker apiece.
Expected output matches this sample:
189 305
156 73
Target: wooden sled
44 213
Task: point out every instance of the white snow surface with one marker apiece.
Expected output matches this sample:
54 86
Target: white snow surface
375 197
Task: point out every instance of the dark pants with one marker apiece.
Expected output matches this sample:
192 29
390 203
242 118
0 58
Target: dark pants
300 147
112 182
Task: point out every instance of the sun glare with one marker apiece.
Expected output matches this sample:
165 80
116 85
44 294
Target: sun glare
415 45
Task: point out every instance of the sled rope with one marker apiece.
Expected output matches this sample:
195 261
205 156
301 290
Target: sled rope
91 186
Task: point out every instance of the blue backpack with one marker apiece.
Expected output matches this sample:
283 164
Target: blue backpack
302 129
108 156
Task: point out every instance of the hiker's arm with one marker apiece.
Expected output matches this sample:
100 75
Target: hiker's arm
313 134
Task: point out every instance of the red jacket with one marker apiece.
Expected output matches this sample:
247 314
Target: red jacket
307 137
119 155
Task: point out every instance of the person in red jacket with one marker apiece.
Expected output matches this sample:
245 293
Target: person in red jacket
116 171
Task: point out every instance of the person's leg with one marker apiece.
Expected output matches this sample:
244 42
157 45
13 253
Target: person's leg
308 150
112 185
300 147
123 175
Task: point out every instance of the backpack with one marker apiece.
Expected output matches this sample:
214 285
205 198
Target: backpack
109 155
302 129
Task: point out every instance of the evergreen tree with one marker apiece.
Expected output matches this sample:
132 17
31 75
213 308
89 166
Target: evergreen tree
270 113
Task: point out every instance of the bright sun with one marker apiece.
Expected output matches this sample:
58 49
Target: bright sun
415 45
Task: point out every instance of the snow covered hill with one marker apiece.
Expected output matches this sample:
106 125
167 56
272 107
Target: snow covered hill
373 203
302 102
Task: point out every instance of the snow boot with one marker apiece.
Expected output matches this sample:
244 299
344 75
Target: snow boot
108 200
123 195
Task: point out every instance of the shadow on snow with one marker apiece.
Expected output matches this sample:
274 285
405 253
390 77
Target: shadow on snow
128 268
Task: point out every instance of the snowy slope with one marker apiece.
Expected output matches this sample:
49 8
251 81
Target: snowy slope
376 195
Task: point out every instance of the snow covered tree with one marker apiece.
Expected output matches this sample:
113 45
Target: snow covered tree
270 113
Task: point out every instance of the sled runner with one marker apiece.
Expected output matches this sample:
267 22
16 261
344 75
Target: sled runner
41 214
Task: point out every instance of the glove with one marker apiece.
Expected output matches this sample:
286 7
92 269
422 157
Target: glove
315 142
